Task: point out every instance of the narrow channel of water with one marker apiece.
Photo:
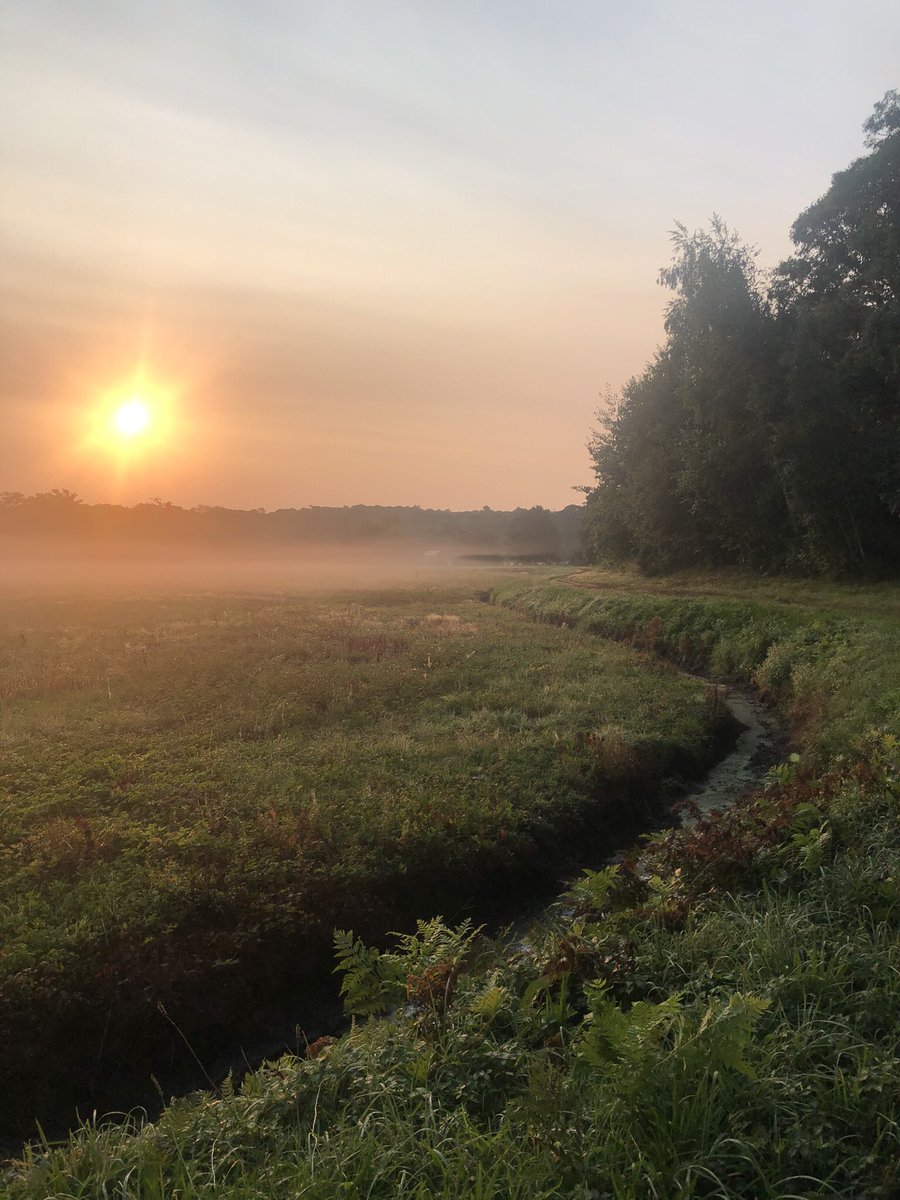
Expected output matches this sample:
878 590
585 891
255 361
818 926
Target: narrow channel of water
756 749
759 745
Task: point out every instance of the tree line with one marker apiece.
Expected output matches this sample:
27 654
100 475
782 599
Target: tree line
60 518
766 431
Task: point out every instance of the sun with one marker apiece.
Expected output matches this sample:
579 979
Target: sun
136 422
132 417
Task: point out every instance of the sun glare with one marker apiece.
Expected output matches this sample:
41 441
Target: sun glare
132 418
134 423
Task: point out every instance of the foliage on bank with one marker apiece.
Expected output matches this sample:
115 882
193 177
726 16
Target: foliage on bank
832 669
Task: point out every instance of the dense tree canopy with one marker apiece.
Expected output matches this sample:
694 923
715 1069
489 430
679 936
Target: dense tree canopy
766 432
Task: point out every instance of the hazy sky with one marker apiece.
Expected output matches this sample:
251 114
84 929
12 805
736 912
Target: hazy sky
380 251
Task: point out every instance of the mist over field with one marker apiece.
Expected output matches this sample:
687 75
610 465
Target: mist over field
55 540
342 567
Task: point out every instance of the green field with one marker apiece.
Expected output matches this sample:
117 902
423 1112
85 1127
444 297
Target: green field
196 790
718 1017
827 654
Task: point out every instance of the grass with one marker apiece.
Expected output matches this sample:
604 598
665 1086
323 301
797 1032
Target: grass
827 655
197 790
718 1016
731 1054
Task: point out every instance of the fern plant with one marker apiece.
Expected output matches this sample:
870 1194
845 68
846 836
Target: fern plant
633 1038
423 970
639 1041
373 982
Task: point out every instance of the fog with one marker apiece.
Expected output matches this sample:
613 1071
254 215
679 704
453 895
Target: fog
62 571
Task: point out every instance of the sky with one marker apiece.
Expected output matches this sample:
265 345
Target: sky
381 251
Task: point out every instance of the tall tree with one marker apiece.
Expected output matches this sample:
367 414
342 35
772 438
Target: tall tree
840 296
767 430
683 466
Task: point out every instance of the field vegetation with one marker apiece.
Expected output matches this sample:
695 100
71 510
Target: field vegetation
826 654
715 1016
197 790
